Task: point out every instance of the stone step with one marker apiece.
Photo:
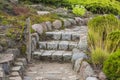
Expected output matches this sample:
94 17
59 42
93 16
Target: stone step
18 69
59 35
52 55
58 45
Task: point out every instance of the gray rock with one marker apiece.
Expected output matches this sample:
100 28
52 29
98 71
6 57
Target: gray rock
72 45
43 24
1 48
53 45
37 54
57 35
81 21
6 67
57 56
14 1
15 78
23 60
11 43
47 55
60 11
38 28
36 36
57 24
77 54
67 56
33 44
43 12
77 64
20 64
73 22
86 70
63 45
66 36
13 74
82 45
42 45
15 52
75 36
2 74
91 78
66 23
49 25
18 69
102 76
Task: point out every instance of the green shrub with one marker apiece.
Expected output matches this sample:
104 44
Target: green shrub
99 7
112 66
98 56
79 10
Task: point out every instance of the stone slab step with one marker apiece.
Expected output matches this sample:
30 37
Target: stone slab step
18 69
15 78
58 45
59 35
52 55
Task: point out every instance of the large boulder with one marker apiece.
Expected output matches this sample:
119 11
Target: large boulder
38 28
57 24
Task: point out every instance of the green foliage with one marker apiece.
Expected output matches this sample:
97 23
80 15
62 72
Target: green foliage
99 29
112 66
98 56
113 40
100 7
103 38
79 10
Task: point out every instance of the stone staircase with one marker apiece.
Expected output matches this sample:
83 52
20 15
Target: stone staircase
59 44
12 66
57 51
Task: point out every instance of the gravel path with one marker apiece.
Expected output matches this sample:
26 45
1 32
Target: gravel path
50 71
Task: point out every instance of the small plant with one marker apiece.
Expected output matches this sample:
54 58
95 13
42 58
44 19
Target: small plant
112 66
98 57
79 10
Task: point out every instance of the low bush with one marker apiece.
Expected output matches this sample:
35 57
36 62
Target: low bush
79 10
99 7
112 66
